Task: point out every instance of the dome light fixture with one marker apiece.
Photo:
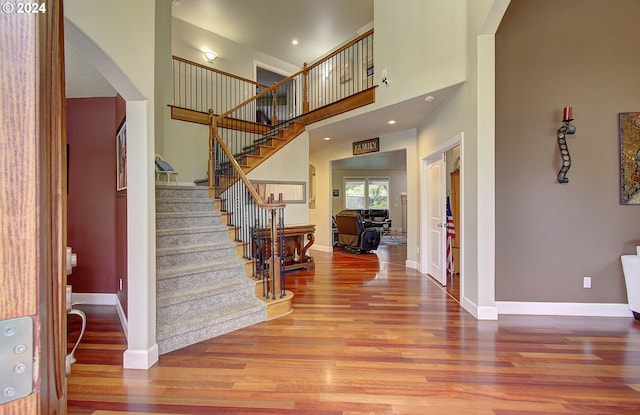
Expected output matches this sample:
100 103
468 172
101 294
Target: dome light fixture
210 55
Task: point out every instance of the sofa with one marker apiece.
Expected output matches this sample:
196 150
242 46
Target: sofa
377 218
631 269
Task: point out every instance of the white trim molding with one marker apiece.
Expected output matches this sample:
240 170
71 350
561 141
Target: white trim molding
564 309
322 248
412 264
140 359
94 298
480 313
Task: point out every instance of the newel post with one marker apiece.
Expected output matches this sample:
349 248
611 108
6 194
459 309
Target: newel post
305 90
276 285
210 169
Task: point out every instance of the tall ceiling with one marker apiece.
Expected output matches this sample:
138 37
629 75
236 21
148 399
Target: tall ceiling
270 25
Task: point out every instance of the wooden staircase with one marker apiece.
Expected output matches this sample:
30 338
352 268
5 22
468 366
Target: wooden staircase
254 155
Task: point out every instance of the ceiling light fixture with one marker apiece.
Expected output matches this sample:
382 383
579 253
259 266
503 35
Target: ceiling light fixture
327 138
429 98
294 42
391 122
210 55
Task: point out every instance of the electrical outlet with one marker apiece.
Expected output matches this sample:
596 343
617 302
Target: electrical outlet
586 282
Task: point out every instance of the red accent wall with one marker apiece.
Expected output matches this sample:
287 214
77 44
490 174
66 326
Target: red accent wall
93 209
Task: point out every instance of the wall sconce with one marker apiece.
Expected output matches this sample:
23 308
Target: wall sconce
210 55
567 128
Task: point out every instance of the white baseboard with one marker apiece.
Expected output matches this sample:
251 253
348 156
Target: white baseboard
140 359
480 312
123 318
321 248
94 298
564 309
412 264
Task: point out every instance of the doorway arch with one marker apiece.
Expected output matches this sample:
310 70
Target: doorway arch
142 350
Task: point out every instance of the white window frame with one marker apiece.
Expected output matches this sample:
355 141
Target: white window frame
366 180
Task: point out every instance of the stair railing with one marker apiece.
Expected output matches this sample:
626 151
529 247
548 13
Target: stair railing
257 222
200 88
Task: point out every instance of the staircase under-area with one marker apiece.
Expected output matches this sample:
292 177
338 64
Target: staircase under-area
202 289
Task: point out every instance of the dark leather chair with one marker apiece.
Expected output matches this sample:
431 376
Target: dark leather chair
352 234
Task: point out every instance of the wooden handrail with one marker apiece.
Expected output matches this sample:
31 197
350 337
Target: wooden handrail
341 49
179 59
214 133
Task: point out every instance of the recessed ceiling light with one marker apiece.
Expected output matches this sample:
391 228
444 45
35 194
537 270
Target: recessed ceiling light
429 98
392 122
327 138
294 42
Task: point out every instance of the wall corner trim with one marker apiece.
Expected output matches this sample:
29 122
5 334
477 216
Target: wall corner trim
480 313
140 359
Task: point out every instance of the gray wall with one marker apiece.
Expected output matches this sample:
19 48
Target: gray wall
551 54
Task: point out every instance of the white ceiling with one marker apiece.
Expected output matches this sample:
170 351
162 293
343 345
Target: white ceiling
269 26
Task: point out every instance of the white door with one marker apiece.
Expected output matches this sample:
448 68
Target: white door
436 219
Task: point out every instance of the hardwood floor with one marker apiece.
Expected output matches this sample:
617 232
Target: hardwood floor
368 336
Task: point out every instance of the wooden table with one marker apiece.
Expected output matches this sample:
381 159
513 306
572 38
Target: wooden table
295 248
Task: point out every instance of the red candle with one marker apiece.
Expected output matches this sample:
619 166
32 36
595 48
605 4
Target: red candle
567 114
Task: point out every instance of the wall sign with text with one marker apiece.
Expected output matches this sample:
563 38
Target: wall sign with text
366 146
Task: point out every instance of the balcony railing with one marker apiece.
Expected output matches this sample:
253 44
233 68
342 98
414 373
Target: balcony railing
341 74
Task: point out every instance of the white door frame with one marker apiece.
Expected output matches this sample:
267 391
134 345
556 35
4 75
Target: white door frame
436 218
454 141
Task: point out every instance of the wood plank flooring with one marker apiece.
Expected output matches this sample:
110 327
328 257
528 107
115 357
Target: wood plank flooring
368 336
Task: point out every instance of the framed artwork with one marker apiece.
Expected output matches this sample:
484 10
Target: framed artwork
629 123
346 71
121 156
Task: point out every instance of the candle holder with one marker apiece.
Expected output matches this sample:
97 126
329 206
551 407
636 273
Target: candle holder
567 128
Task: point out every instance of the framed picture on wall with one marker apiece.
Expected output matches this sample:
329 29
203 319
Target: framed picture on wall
629 123
121 156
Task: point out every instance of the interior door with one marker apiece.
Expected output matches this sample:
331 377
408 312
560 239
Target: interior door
436 219
32 210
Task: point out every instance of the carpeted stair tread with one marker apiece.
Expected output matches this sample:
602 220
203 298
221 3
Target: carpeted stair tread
191 269
202 200
211 324
209 317
202 214
173 297
186 231
174 250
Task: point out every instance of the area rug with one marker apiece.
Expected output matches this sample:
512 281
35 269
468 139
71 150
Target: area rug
390 240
